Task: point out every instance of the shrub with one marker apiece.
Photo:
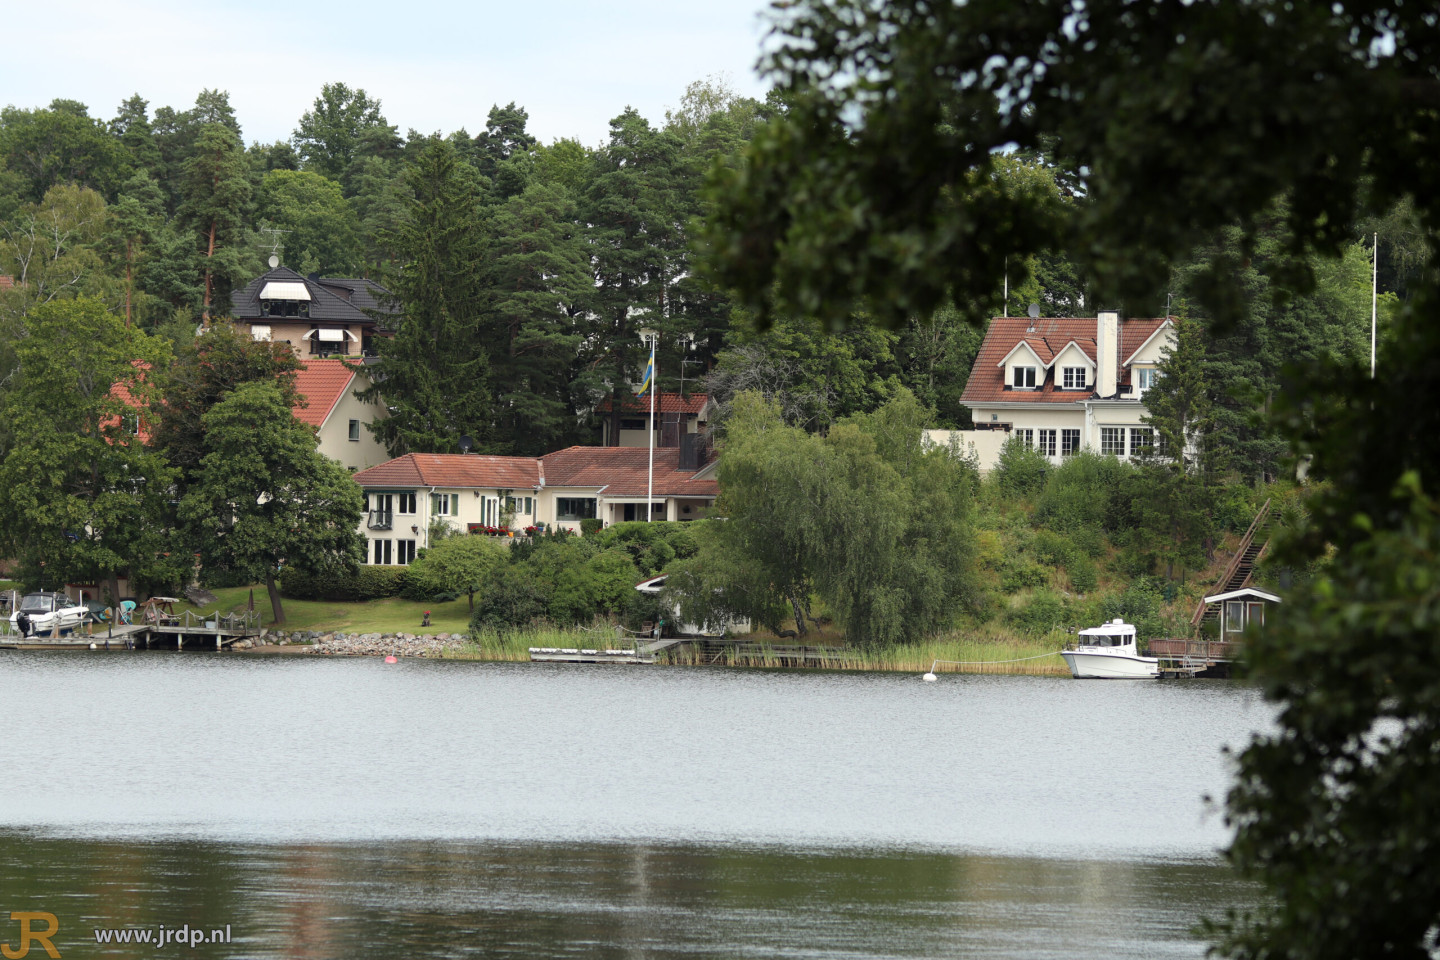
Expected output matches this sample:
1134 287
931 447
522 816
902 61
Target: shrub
1040 613
1084 575
509 601
455 566
366 583
1020 471
1052 548
1077 493
591 526
1020 573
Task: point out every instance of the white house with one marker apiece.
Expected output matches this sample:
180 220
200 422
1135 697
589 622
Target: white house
1063 385
328 403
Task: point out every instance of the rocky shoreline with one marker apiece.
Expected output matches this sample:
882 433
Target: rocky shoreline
357 644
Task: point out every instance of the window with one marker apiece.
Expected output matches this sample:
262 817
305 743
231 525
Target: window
1026 438
354 429
632 424
1047 442
574 508
405 503
1234 616
1069 443
260 331
382 552
1142 442
327 348
1145 378
404 552
130 423
445 505
381 506
1112 441
529 506
1074 378
284 308
1023 378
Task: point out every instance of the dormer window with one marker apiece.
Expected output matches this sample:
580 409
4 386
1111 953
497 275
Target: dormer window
284 298
1145 378
1023 378
1073 378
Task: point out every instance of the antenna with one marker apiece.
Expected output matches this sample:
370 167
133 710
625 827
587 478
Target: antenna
1034 314
274 247
688 346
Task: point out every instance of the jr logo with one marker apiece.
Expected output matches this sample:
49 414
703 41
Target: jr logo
28 936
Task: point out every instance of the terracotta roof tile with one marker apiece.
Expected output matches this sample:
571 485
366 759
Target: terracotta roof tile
624 472
453 470
321 383
1052 334
664 403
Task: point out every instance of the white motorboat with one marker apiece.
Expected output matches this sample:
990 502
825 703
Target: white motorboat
41 614
1108 652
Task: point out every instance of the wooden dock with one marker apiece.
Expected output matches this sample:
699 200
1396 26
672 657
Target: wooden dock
1194 658
578 655
189 631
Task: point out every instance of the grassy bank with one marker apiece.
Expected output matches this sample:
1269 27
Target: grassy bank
391 615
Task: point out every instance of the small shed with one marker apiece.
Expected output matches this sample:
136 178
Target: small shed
1241 608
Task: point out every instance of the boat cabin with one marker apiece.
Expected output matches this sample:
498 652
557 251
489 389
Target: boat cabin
1239 609
1116 633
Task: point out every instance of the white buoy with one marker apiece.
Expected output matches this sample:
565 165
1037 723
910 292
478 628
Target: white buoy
92 646
928 678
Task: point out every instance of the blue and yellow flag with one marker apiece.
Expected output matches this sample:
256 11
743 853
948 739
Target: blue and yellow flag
649 381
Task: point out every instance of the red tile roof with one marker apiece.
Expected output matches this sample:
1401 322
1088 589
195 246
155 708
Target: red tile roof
322 383
624 472
664 403
987 377
453 470
120 390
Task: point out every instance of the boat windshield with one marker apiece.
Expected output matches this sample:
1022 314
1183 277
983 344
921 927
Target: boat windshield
37 603
1104 639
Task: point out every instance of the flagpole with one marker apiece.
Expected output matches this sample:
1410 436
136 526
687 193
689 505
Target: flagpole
650 483
1374 298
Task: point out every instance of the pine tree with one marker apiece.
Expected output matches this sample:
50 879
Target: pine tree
434 374
540 272
132 126
216 198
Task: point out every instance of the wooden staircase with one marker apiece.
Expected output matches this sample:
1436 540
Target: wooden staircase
1242 566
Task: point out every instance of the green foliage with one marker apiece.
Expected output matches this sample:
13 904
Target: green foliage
457 565
559 577
61 145
343 126
369 582
322 233
216 193
511 601
1077 494
1020 470
84 496
1038 614
652 546
590 526
265 496
436 380
876 526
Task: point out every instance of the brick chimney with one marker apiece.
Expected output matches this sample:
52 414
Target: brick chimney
1107 349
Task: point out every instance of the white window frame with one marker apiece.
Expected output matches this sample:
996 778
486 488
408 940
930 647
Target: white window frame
1047 442
1069 442
404 552
1146 449
354 431
1072 374
445 504
380 551
1023 377
1112 441
1025 435
405 503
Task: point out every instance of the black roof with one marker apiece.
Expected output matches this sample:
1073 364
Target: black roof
333 299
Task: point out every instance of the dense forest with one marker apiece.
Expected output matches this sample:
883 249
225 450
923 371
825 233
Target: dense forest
535 264
522 273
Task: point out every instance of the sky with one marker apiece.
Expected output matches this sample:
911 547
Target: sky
433 64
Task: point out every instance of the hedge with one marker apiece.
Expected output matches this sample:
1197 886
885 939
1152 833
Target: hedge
367 583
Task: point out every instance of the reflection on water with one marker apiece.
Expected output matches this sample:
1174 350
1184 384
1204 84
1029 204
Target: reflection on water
416 899
350 808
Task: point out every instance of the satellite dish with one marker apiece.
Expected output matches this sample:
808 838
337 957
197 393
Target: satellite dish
466 443
274 261
1034 311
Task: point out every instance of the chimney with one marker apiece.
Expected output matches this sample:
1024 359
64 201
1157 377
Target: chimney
1107 349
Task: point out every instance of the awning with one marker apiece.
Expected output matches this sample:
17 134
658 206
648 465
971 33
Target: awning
331 336
284 290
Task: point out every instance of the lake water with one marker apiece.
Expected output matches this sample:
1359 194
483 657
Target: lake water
350 808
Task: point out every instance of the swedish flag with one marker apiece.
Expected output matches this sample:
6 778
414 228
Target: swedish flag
649 381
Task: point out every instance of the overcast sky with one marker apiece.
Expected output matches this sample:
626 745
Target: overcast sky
433 64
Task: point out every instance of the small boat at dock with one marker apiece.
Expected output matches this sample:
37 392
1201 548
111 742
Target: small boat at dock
1109 652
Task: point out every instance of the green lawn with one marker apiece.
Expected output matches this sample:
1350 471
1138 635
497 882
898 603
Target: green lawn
392 615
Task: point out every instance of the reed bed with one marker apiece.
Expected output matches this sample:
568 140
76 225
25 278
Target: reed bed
985 652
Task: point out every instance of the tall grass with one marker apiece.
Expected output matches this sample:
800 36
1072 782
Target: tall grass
983 652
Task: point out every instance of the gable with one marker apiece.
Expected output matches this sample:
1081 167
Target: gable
1153 348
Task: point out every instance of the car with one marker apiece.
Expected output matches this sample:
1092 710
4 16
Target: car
41 614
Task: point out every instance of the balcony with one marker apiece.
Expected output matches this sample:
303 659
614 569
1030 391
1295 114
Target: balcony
381 519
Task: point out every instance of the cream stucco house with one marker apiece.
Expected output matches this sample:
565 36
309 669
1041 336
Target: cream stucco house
472 492
341 420
1063 385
